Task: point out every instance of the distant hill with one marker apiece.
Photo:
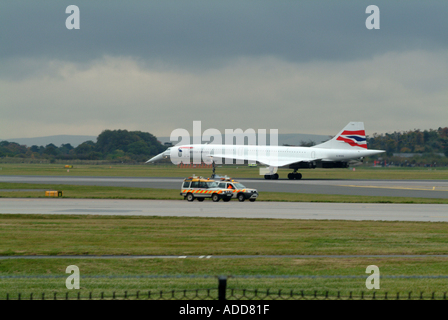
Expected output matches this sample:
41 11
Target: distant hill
56 140
293 139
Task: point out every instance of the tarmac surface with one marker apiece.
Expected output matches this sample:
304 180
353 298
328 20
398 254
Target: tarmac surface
232 209
391 188
235 209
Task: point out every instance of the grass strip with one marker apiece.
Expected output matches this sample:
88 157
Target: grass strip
235 171
136 235
100 192
193 274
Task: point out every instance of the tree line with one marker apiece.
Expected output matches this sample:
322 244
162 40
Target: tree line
429 146
131 146
414 141
115 145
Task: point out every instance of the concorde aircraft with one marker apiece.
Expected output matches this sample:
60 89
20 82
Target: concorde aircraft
349 146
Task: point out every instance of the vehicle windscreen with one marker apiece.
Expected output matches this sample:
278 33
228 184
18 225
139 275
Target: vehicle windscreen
186 184
239 186
206 184
212 184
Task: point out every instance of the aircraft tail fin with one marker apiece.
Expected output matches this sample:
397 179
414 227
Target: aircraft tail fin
353 136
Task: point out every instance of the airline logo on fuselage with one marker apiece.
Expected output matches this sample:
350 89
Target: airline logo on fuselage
180 148
354 138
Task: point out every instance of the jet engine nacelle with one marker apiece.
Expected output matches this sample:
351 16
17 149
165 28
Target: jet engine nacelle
303 165
334 164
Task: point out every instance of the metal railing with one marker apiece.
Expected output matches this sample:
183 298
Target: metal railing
223 292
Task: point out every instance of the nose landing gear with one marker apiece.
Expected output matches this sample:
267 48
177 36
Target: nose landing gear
271 176
214 170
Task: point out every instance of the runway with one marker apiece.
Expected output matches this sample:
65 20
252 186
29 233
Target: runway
391 188
233 209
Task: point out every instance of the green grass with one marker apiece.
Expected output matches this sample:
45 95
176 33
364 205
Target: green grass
53 235
71 234
57 235
243 171
248 274
99 192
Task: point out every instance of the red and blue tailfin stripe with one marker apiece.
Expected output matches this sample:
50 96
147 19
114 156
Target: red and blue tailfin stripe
354 138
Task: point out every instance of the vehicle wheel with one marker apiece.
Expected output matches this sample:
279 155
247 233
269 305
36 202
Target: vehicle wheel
190 197
227 199
241 197
215 197
252 200
201 199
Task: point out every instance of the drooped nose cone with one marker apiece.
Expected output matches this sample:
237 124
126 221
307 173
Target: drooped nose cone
156 158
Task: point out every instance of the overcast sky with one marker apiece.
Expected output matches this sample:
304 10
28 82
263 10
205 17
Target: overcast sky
296 66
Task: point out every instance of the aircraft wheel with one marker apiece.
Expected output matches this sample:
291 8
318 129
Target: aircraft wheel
252 200
267 176
226 199
190 197
297 176
275 176
215 197
241 197
201 199
291 176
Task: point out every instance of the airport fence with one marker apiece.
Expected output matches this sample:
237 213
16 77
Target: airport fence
223 292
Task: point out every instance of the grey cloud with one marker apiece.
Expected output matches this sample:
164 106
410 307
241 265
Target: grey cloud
301 66
205 32
268 92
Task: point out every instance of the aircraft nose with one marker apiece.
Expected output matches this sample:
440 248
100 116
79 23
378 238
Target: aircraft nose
157 157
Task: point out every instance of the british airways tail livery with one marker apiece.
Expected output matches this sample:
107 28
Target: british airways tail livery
353 135
349 146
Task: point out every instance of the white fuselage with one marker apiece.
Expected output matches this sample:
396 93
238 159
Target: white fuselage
200 152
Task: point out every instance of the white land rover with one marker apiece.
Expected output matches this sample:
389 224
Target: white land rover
239 190
201 188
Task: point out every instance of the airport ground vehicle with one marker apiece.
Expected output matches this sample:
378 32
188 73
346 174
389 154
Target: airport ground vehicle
200 188
239 190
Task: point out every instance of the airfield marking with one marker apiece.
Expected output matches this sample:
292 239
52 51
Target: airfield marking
258 210
396 188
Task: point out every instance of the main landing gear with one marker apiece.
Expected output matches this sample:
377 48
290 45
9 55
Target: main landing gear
294 175
291 176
